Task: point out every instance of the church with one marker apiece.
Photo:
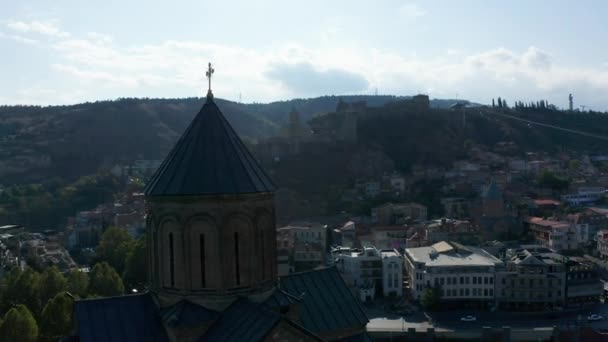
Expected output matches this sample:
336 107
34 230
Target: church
212 263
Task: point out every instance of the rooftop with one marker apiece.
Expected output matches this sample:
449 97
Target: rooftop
208 159
451 254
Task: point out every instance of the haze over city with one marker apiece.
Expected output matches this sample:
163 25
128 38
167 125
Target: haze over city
65 52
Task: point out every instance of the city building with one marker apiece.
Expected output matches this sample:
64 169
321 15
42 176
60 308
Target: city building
306 244
398 213
464 274
387 237
602 243
452 230
556 235
532 280
592 219
456 207
584 196
212 257
583 282
371 267
392 273
345 235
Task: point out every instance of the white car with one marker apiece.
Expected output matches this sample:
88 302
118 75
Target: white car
595 317
468 319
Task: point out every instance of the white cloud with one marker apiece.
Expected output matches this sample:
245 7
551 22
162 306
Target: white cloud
19 39
498 72
46 28
411 10
176 68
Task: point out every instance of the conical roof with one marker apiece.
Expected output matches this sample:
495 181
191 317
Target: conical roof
209 158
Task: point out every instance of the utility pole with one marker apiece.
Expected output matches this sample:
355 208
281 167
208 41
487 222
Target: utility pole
570 100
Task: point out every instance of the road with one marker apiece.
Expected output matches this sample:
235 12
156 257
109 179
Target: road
524 325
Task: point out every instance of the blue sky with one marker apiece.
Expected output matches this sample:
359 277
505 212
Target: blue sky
68 51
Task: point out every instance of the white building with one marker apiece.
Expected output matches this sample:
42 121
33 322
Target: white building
392 273
382 267
463 273
584 195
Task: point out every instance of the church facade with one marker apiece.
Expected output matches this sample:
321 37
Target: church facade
212 263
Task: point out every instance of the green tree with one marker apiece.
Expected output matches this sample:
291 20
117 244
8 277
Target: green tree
51 283
56 318
7 286
114 247
105 281
135 275
24 289
549 180
574 164
431 297
19 325
78 283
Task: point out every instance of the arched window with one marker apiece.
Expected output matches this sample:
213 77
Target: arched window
171 253
263 247
237 271
202 259
238 254
171 260
203 255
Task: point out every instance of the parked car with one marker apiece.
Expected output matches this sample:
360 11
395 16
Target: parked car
468 318
595 317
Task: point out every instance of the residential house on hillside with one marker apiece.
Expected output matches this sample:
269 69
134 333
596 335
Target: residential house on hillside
387 237
452 230
456 207
305 243
399 213
594 219
556 235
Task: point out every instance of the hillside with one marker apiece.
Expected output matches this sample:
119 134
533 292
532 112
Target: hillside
38 143
69 141
66 142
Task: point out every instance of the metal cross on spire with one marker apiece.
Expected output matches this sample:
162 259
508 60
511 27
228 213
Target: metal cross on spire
209 73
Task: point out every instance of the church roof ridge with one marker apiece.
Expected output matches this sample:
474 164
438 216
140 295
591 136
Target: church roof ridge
208 159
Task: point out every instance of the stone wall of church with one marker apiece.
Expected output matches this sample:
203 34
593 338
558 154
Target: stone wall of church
211 248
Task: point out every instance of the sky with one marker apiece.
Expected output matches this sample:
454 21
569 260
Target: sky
71 51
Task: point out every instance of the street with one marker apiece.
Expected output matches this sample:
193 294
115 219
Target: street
523 325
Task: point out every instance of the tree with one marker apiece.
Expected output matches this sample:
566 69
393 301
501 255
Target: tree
105 281
431 297
51 283
7 286
135 275
493 104
19 325
78 283
499 102
114 247
56 319
574 164
549 180
24 290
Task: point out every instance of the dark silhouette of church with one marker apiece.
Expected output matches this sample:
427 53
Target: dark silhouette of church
211 242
